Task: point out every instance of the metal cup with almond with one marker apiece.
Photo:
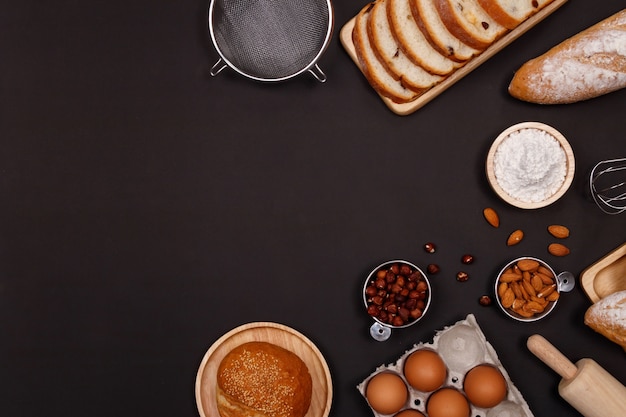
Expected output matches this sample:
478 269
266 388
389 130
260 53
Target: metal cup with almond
527 288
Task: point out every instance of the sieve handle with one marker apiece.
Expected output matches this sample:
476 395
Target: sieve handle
218 67
318 73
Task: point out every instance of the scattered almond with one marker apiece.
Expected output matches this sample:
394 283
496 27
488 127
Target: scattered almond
491 216
558 249
515 238
558 231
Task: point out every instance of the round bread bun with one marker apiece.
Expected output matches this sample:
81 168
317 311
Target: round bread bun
260 379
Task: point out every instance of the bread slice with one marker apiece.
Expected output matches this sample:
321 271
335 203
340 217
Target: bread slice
389 53
413 42
510 13
428 20
469 22
377 75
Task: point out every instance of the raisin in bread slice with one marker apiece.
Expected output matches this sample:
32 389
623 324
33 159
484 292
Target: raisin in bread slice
375 72
389 53
510 13
428 20
469 22
413 42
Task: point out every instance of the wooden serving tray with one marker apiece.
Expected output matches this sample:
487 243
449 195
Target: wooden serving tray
403 109
606 276
278 334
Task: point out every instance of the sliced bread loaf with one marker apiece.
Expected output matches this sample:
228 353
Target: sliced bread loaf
428 20
510 13
375 72
391 56
469 22
413 42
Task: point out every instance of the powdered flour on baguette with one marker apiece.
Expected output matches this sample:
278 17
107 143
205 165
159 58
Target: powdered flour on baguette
429 21
467 20
587 65
375 72
391 56
510 13
412 41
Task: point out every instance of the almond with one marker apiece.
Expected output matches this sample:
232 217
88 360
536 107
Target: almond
509 277
527 265
558 249
558 231
545 271
515 238
507 298
491 216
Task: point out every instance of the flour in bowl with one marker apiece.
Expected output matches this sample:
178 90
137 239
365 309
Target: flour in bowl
530 165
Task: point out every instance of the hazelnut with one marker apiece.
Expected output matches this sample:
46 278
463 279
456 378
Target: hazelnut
484 300
432 268
430 247
467 259
462 276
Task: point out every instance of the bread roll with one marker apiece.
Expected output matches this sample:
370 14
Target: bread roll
608 317
260 379
587 65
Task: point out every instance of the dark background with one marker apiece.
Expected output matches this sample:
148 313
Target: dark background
146 208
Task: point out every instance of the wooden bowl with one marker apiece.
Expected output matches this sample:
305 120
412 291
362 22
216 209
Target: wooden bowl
278 334
569 171
606 276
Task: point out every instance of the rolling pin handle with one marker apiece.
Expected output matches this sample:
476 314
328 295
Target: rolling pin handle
551 356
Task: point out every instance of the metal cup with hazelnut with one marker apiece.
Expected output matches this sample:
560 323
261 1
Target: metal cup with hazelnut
397 294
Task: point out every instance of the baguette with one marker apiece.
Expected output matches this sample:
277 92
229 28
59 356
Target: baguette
587 65
608 317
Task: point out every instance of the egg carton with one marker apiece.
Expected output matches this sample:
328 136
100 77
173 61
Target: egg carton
461 346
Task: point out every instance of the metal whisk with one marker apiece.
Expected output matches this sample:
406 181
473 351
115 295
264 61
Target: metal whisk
607 183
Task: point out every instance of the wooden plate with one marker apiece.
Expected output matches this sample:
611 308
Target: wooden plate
569 170
606 276
277 334
403 109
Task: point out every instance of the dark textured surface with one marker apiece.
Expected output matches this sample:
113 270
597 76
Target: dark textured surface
147 208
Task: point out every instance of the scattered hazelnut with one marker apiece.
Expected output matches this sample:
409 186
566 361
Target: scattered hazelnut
484 300
432 268
462 276
467 259
430 247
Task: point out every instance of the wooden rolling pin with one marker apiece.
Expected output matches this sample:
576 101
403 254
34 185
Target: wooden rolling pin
585 385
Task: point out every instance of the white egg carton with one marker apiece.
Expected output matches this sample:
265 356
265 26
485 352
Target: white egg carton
461 346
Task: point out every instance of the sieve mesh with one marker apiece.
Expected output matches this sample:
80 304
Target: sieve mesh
270 39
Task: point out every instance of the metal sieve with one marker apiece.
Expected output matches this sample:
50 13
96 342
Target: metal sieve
270 40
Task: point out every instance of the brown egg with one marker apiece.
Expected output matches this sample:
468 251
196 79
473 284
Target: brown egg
409 413
386 393
447 402
425 370
485 386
